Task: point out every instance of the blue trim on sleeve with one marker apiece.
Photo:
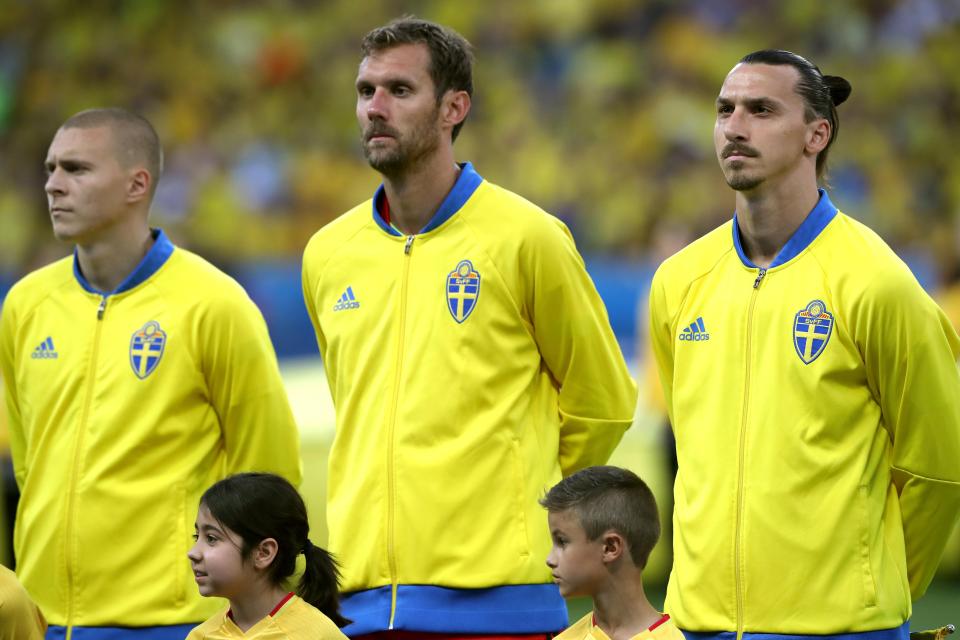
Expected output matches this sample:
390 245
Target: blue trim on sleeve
467 182
157 255
511 609
168 632
815 222
897 633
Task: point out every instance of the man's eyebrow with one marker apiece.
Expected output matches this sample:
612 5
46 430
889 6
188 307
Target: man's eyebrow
750 102
390 81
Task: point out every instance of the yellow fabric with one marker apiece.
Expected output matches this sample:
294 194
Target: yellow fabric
448 431
19 617
110 466
811 498
949 300
584 629
296 620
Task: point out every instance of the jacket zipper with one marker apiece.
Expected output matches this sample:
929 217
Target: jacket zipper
74 476
742 453
391 481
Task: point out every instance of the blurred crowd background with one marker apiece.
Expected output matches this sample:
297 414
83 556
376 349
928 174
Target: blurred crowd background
600 111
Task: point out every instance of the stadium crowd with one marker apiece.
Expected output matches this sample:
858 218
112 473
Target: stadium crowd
605 107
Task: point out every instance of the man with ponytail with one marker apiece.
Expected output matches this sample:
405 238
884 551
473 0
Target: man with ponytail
812 387
250 529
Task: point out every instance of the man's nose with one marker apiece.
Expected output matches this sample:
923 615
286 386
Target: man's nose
377 105
54 184
735 126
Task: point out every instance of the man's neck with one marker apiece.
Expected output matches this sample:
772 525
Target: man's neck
768 217
622 610
105 263
416 196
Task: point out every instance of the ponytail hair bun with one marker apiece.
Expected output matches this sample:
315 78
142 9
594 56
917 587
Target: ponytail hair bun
839 89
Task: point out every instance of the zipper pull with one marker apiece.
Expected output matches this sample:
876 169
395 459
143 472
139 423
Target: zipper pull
756 283
406 247
103 305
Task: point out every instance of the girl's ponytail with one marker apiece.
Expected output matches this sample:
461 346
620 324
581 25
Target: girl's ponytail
257 506
320 583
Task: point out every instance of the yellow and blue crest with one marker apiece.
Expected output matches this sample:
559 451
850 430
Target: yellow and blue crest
812 327
463 289
146 348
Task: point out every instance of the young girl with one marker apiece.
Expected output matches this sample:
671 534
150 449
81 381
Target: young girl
250 529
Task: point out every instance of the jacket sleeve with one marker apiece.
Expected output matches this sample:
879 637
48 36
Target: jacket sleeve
246 390
597 396
309 281
910 352
15 427
661 342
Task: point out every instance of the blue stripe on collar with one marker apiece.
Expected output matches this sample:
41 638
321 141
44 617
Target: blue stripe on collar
467 182
157 255
815 222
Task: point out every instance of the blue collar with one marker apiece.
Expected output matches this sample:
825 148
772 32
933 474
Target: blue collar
466 184
151 263
815 222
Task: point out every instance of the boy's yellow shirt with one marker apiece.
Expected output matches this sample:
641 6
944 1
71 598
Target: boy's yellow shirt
585 629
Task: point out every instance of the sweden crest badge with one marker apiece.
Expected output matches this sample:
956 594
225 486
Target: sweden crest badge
812 327
463 289
146 348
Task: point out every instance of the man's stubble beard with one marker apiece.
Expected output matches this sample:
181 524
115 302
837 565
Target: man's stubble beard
739 181
407 152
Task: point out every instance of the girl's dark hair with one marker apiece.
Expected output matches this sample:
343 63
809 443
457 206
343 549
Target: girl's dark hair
821 94
256 506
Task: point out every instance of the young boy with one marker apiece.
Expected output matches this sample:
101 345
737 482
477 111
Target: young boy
604 523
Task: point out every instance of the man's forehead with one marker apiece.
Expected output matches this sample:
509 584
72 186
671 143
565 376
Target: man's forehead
408 59
81 140
760 80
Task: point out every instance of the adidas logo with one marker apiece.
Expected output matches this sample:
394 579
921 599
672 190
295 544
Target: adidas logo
45 351
696 332
347 301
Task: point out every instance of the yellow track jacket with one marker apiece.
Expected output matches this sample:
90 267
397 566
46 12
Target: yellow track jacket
470 365
123 409
816 406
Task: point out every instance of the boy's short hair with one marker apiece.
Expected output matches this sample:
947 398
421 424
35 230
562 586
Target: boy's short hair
606 498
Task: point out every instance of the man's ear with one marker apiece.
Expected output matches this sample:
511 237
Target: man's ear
139 186
818 135
454 107
614 546
265 553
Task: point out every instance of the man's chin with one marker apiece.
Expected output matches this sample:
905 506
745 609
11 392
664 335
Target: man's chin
387 165
739 182
64 235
